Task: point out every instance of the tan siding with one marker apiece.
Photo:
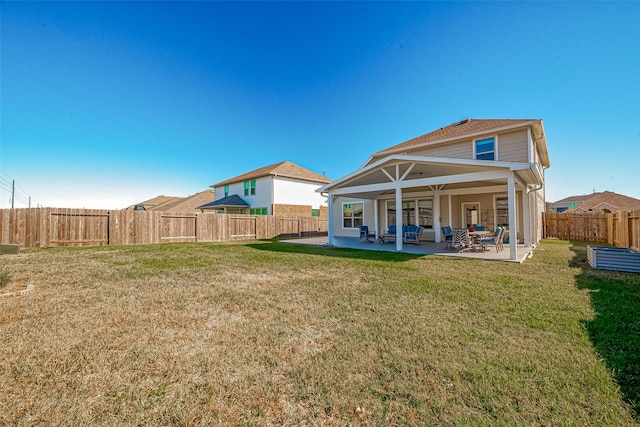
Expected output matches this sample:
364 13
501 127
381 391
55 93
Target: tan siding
369 216
512 147
458 150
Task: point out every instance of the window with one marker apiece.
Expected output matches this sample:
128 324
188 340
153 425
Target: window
226 191
502 212
352 214
315 212
250 187
485 149
236 211
425 213
258 211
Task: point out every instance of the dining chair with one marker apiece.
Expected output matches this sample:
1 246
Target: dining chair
447 236
461 239
493 240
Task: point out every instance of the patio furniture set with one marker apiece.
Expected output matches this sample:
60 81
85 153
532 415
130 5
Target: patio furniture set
410 234
474 238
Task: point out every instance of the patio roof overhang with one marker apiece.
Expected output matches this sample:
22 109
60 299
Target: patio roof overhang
421 173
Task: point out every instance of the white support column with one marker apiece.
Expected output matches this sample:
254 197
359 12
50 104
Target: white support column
526 217
375 217
436 215
330 220
513 228
399 219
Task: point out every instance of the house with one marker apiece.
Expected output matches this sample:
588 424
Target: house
603 202
472 172
175 204
280 189
570 202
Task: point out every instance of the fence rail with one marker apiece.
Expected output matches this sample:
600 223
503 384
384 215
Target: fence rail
621 229
40 227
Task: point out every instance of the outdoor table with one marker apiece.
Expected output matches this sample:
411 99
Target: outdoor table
476 238
386 238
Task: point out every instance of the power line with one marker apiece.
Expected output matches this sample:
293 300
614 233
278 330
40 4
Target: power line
17 193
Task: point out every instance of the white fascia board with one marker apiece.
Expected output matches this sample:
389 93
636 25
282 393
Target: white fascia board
397 158
422 182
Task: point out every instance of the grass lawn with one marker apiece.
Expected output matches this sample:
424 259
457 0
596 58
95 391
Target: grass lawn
268 333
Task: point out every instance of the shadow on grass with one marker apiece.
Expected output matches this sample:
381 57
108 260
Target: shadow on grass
275 246
615 330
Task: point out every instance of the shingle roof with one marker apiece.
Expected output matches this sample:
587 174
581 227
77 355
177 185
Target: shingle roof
177 204
285 169
456 130
618 201
229 201
575 199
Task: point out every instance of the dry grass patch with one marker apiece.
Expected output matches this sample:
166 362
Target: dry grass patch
269 333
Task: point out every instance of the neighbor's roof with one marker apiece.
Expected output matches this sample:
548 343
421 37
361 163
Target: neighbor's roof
618 201
177 204
157 201
187 204
576 199
285 169
464 128
226 202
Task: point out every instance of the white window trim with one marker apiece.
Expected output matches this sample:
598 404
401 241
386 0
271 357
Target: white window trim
342 214
495 207
495 147
416 210
463 212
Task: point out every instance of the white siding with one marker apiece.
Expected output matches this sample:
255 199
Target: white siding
288 191
262 198
513 147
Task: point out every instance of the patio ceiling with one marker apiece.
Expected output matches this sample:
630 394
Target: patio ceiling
428 174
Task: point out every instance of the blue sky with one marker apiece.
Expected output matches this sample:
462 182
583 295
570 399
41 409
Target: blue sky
104 104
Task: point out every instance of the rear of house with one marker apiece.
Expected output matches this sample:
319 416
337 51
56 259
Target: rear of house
473 172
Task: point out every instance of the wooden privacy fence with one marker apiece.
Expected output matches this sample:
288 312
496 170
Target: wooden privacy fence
621 229
40 227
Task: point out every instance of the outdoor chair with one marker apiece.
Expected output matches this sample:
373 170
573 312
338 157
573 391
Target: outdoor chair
479 227
412 235
461 239
447 236
365 236
496 239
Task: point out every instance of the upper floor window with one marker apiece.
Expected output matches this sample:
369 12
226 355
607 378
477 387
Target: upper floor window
250 188
226 191
485 149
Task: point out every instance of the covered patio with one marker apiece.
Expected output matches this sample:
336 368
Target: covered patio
451 184
424 248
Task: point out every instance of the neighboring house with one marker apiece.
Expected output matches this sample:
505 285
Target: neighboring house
604 202
570 202
175 204
280 189
484 172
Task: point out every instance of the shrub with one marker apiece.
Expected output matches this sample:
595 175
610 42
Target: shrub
5 278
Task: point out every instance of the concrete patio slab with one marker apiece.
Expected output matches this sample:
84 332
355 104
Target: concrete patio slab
424 248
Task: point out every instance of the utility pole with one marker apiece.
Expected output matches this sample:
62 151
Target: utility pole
13 191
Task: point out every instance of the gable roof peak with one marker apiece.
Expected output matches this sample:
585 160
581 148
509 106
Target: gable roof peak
285 169
460 129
